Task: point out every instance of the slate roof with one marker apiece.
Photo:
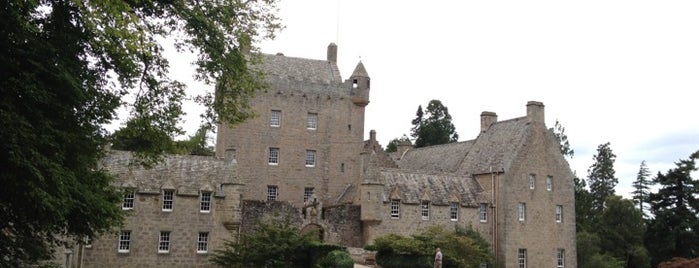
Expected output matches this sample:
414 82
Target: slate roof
283 67
187 174
437 158
440 189
496 147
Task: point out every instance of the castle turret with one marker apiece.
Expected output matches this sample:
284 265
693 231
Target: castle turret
360 85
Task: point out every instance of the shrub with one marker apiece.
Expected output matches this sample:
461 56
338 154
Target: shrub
336 259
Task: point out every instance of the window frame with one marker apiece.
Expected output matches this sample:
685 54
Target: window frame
454 211
203 243
522 211
311 156
129 200
522 258
549 183
124 245
312 121
560 258
164 242
425 210
483 212
532 181
272 192
168 204
275 118
307 193
205 201
395 209
273 155
559 213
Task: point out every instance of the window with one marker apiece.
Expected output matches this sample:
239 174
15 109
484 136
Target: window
532 181
560 258
310 158
484 265
559 213
522 258
425 209
203 242
164 242
483 212
272 193
273 156
312 121
88 241
275 119
129 197
168 196
549 183
205 202
307 194
522 211
395 209
454 211
124 241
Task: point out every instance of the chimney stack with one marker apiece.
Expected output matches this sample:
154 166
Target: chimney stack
372 136
535 112
487 119
332 52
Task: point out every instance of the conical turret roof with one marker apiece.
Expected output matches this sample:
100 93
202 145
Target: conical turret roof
360 71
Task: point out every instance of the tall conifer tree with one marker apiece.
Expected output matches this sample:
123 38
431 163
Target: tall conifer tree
601 177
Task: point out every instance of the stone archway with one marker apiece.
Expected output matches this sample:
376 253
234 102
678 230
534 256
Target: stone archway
314 228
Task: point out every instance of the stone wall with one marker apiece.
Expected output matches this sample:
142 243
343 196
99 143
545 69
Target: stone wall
343 225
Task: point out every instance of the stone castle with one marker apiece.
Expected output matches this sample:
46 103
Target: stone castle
304 155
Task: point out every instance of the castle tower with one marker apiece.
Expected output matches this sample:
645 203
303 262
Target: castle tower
360 85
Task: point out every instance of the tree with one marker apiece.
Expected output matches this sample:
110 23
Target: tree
277 243
67 67
621 229
584 218
601 177
559 133
642 186
463 247
673 230
436 129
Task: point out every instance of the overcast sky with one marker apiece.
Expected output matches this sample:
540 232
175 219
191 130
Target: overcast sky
624 72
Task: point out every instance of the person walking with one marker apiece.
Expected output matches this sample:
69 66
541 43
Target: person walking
438 259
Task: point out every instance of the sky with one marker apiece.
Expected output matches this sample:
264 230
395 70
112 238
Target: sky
624 72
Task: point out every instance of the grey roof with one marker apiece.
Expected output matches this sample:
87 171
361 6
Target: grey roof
360 71
440 189
495 148
187 174
437 158
283 67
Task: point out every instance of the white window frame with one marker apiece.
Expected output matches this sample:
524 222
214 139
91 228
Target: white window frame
168 200
483 212
522 211
205 202
522 258
312 121
395 209
454 211
310 158
203 243
559 213
164 242
272 193
275 118
425 210
307 194
124 241
129 199
88 241
273 156
549 183
532 181
560 258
